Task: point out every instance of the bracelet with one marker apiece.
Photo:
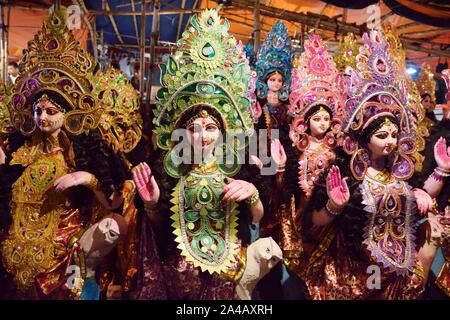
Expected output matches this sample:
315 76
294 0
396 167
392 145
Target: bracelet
254 199
439 175
442 172
330 211
93 183
149 206
281 170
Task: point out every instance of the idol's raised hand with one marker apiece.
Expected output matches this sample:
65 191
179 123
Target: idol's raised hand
146 184
337 188
442 154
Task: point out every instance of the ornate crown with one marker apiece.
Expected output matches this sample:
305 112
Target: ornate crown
250 53
425 82
6 125
346 53
208 68
274 55
121 121
378 86
55 61
316 80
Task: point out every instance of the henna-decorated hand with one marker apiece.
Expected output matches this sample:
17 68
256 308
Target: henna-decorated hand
77 178
146 184
442 154
278 154
337 188
423 200
237 190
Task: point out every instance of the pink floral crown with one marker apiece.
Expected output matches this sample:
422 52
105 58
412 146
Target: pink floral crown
316 80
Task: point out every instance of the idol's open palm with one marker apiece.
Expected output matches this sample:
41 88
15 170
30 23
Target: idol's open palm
337 188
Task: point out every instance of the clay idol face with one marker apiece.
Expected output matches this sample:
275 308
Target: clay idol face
48 118
383 141
275 82
319 123
204 132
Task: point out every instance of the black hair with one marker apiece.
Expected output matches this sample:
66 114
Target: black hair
441 66
13 64
55 96
424 95
189 113
272 73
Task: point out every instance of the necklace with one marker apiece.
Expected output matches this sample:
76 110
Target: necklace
383 176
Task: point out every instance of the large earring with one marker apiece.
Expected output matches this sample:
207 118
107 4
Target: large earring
298 134
403 167
359 163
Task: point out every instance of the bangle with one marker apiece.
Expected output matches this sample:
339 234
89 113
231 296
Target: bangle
254 199
148 206
442 172
93 184
439 175
281 170
332 212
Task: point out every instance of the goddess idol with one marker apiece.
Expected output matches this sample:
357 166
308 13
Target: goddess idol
195 208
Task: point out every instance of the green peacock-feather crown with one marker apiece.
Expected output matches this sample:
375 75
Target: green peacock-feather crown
208 68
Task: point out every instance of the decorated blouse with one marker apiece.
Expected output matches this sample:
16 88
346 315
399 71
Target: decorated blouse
389 235
204 225
43 221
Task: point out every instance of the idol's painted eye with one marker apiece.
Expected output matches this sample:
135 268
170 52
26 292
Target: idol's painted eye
316 119
381 135
327 119
394 134
52 111
211 127
195 128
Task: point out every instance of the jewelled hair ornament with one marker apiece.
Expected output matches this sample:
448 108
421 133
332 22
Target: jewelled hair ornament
55 61
121 122
315 82
398 52
420 126
209 68
274 55
6 126
378 87
426 84
346 53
